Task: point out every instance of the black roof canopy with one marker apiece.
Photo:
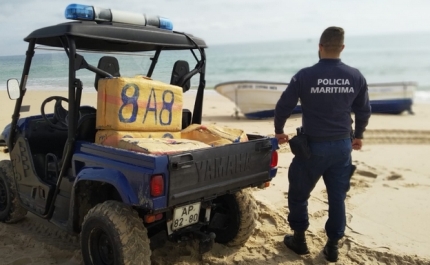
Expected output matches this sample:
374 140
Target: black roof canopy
113 37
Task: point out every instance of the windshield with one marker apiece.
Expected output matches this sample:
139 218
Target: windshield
49 68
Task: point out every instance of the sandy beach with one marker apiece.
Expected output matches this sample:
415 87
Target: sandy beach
387 207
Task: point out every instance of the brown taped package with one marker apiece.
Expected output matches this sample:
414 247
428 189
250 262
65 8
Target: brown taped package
160 146
213 135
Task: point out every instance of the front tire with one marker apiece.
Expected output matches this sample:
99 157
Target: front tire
11 210
240 213
112 233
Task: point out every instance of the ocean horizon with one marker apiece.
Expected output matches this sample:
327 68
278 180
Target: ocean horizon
381 59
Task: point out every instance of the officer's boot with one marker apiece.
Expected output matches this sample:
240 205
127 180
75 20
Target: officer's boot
297 243
331 250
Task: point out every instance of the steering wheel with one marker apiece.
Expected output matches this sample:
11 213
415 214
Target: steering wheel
59 120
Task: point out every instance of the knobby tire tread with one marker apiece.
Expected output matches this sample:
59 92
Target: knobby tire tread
248 216
133 238
16 211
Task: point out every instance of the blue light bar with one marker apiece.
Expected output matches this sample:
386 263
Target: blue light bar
79 12
91 13
165 23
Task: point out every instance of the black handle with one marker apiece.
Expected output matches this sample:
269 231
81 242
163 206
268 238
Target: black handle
183 161
180 165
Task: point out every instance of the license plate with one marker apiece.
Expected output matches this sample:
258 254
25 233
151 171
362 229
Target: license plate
186 215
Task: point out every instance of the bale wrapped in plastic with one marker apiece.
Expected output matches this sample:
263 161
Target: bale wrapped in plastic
112 137
138 104
214 135
160 146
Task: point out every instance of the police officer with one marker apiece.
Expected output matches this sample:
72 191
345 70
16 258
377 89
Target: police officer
328 91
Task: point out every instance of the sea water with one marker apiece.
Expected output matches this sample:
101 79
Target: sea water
381 59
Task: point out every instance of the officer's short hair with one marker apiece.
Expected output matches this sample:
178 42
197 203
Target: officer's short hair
332 39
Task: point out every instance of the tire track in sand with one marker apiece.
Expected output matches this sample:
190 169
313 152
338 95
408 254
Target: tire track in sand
396 137
382 136
34 242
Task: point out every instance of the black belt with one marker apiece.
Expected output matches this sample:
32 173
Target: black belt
329 138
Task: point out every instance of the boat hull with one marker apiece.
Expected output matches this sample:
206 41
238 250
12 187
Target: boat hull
257 99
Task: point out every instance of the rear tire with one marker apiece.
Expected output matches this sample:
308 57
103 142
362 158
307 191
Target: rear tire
241 212
11 210
112 233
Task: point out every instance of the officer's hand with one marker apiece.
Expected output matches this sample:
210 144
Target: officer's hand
282 138
356 144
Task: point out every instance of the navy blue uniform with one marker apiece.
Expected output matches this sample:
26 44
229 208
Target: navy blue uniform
328 92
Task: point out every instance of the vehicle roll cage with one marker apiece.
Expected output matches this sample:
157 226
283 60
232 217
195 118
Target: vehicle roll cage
104 37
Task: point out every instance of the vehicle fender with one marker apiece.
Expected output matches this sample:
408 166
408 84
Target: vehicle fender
5 135
113 177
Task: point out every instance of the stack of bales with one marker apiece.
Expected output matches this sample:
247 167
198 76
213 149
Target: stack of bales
137 107
145 115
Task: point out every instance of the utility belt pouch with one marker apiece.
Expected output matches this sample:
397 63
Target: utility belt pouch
299 145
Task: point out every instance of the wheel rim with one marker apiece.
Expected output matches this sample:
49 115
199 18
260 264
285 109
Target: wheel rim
3 196
101 247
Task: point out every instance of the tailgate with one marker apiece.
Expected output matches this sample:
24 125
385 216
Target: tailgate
214 171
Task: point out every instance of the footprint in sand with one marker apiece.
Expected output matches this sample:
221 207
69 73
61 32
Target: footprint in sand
324 195
366 174
411 185
267 219
394 176
319 214
359 184
348 217
388 186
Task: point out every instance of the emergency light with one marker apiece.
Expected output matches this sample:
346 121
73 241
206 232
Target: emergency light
92 13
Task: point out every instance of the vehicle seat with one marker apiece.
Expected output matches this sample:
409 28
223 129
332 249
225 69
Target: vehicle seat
86 130
180 70
109 64
186 118
85 109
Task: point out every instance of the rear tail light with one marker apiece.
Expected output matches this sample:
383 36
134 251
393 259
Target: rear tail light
274 161
150 218
157 185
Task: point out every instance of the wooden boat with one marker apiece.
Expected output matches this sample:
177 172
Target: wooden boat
257 99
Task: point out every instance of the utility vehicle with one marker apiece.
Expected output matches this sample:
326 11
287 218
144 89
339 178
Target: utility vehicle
121 203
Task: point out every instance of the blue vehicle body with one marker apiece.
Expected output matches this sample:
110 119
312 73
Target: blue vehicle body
4 136
129 174
127 171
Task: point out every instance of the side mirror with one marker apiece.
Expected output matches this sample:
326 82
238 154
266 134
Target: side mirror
13 89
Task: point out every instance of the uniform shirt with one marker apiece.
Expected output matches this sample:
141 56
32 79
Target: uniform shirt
328 92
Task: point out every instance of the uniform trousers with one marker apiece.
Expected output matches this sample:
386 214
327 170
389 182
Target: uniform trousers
332 161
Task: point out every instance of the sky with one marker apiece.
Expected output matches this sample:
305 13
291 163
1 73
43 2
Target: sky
231 21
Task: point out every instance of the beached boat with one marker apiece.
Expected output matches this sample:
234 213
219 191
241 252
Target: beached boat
257 99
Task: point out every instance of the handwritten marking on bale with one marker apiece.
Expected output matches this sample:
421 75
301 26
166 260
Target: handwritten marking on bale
138 104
